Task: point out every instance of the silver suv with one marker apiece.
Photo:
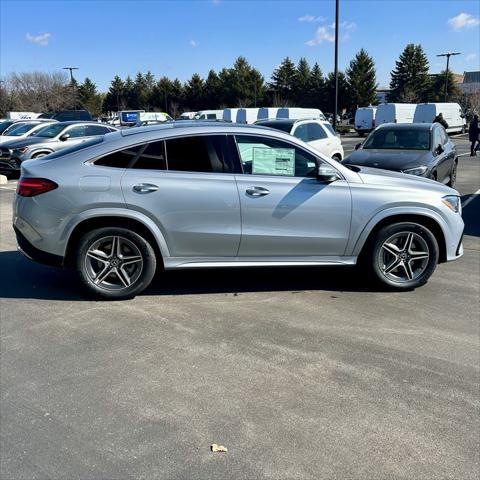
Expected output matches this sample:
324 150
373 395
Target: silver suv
191 195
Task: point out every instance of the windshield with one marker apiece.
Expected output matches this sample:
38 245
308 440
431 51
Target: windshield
18 129
329 128
50 131
399 139
4 126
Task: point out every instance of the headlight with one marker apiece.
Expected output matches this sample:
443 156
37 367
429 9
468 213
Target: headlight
453 203
416 171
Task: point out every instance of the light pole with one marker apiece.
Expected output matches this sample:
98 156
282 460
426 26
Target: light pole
448 55
335 110
72 84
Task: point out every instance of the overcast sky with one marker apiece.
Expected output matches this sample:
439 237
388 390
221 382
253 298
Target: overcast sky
178 38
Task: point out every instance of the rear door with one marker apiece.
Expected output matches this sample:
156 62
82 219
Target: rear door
286 212
186 185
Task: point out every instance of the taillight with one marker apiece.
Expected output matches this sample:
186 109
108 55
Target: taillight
31 187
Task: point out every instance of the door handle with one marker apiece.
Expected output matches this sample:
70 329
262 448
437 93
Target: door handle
257 191
144 188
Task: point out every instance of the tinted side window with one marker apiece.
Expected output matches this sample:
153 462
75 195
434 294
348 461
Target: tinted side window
92 130
301 132
152 157
316 132
120 159
76 132
267 156
197 154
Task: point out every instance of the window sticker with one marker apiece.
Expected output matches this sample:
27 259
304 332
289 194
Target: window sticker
273 161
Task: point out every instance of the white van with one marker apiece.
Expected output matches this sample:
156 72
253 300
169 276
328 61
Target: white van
365 120
267 113
247 115
452 114
230 114
209 115
395 113
299 113
187 116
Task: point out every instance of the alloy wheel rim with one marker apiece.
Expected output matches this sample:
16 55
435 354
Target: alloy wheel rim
403 257
113 263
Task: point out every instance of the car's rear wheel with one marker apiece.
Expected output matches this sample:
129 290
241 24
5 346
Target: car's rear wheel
115 263
453 174
404 255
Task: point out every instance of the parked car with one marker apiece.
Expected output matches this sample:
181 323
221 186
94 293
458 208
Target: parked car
395 113
120 207
419 149
68 115
317 133
187 116
23 129
209 115
452 114
5 123
50 138
365 120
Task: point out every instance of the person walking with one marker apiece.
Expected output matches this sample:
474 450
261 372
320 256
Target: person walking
439 119
473 133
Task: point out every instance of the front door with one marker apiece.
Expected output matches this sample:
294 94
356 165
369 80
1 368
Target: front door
285 211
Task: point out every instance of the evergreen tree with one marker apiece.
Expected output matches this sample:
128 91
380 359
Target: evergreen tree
283 81
162 94
115 98
361 80
410 79
246 83
89 98
302 83
141 92
213 87
195 92
437 91
129 94
316 96
343 92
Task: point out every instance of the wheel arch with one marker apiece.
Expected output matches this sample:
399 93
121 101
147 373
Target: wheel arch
423 220
102 221
38 151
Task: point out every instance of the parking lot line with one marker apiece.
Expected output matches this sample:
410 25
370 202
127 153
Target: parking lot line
470 198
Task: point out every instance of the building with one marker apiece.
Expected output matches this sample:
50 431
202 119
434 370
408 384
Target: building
470 84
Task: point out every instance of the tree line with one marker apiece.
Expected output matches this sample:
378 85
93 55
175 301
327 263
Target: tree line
241 85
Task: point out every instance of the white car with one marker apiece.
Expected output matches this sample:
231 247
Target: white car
317 133
19 130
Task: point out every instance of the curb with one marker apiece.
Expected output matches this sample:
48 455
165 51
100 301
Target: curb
3 179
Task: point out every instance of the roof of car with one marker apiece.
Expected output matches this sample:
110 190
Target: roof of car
186 124
404 126
90 122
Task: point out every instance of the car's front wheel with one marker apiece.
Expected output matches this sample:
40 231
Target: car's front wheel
404 255
115 263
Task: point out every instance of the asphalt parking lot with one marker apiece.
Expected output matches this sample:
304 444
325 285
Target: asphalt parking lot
300 373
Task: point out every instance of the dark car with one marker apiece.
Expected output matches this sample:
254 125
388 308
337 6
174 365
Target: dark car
68 116
53 137
422 149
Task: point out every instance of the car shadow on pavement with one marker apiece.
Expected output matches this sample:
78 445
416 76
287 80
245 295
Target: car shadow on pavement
30 280
471 215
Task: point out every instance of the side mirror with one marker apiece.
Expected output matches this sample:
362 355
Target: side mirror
327 174
357 146
64 137
439 150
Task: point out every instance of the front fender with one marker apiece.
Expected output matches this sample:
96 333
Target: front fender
357 242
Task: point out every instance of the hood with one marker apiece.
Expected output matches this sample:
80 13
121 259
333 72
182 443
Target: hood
377 176
389 159
23 142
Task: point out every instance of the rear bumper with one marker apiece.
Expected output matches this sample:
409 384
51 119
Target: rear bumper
33 253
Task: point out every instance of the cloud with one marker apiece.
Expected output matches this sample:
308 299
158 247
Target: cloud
463 21
193 43
322 34
470 57
326 33
311 18
41 39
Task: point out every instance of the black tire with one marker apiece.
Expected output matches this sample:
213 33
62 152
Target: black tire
453 174
379 260
337 157
433 176
360 134
122 262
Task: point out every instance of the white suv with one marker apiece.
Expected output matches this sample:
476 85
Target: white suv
317 133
